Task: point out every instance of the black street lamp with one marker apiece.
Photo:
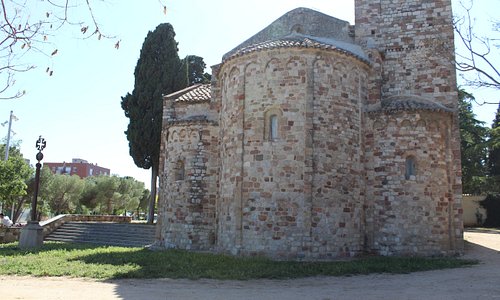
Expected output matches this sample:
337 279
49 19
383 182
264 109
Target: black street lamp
40 145
32 234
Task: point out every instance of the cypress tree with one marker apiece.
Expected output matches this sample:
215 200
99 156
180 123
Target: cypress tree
158 72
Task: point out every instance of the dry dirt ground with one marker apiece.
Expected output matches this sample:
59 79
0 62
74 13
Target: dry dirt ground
478 282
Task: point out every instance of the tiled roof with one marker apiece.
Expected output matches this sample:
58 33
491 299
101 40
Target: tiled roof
408 103
194 93
302 41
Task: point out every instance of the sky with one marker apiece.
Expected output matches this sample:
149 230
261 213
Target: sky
77 109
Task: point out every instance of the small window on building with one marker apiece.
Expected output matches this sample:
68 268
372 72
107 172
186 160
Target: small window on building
411 168
272 119
179 170
273 127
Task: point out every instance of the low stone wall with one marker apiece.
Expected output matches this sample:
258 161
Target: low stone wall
9 234
12 234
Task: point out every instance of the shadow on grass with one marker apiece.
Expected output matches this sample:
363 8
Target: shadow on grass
103 262
182 264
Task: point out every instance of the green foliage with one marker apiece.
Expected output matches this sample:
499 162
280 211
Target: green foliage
474 146
63 193
158 72
13 176
196 70
492 205
59 259
13 150
143 202
112 194
46 178
494 153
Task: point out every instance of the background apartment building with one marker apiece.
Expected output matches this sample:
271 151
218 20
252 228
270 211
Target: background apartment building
78 167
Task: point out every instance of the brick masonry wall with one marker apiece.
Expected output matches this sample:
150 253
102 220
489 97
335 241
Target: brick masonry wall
411 44
299 194
187 205
415 39
412 215
332 181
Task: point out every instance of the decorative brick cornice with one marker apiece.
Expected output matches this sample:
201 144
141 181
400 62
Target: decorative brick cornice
192 122
302 41
407 103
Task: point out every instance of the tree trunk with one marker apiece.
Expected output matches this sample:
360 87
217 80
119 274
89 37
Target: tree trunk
152 200
19 209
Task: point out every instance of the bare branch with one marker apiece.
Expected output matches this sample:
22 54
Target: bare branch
476 58
22 33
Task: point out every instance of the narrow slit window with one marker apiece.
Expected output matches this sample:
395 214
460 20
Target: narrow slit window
273 127
411 169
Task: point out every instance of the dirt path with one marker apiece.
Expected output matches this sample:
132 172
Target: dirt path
477 282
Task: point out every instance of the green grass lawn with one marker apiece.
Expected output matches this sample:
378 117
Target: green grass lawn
102 262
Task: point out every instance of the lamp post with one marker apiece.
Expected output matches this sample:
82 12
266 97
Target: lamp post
32 234
7 146
40 145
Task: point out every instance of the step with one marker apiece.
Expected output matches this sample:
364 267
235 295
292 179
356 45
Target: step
116 234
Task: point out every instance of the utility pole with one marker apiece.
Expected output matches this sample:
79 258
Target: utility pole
7 146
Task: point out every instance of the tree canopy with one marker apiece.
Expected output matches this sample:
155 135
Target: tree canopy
474 146
158 72
196 70
112 194
13 176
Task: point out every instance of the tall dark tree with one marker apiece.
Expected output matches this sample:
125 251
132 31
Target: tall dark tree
159 71
474 146
494 144
196 70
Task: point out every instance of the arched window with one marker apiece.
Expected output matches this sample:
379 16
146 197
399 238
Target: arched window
273 127
179 170
272 119
411 168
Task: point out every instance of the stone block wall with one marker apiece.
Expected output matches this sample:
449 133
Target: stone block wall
416 214
188 196
415 39
337 212
302 150
298 194
9 234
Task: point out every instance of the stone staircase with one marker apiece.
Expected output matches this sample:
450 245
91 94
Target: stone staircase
104 233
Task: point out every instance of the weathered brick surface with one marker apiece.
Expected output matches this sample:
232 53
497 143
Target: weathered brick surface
409 215
330 179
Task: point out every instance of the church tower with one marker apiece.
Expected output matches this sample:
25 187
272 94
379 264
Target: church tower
411 126
415 42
